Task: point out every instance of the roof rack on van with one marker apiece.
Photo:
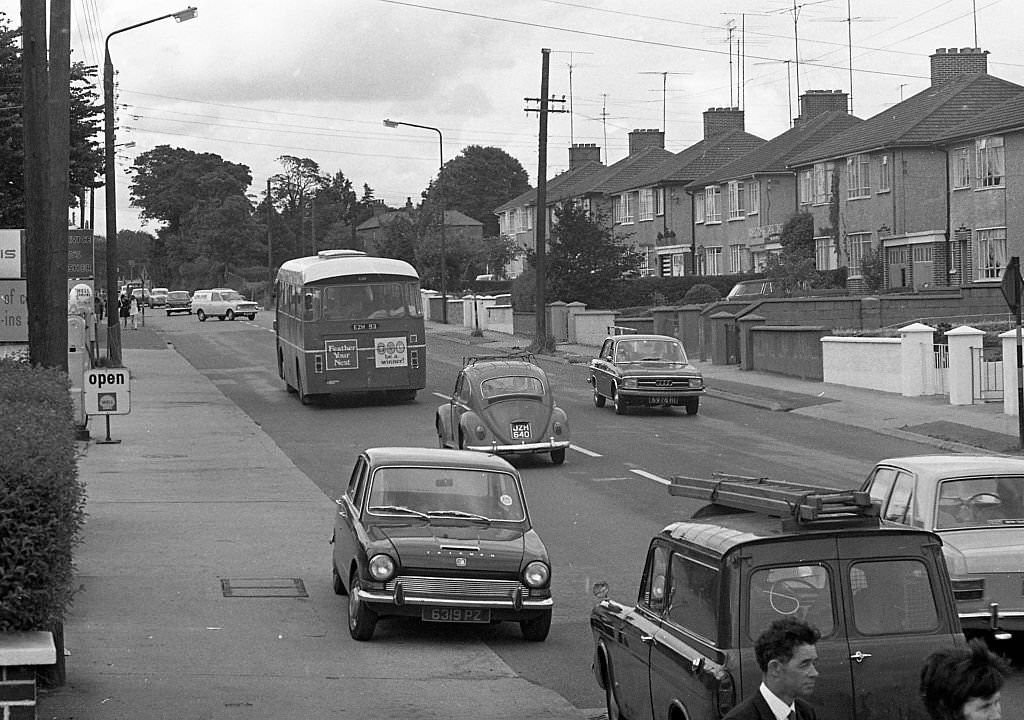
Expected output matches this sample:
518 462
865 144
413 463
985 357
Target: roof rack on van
520 355
798 505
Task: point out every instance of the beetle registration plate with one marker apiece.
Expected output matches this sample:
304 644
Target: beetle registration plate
457 614
520 431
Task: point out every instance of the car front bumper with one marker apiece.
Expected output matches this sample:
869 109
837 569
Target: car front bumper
417 593
520 449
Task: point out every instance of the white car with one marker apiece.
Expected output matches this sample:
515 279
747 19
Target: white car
222 303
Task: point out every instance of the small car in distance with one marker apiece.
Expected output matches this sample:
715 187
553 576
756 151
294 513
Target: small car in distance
683 646
440 535
645 370
158 297
751 290
503 405
222 303
178 301
975 503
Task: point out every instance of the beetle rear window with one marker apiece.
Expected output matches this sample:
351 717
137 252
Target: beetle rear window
511 385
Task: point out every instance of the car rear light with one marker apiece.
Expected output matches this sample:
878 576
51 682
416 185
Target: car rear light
725 694
318 363
965 590
557 428
414 357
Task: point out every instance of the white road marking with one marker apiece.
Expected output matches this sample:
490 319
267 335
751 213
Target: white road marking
584 451
650 476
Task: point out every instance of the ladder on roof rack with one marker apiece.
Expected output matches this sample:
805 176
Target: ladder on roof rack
800 503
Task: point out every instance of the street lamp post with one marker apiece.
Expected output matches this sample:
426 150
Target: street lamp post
440 201
113 327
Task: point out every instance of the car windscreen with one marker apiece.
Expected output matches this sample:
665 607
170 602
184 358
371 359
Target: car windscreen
177 295
650 351
980 501
232 296
508 385
437 491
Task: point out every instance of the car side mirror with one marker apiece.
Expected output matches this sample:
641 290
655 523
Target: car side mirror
600 590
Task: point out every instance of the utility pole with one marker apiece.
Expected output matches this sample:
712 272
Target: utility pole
540 226
270 247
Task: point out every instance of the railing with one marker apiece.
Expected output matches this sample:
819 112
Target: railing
940 369
987 377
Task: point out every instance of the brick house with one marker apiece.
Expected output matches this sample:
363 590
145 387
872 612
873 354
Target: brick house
890 176
986 194
370 232
742 206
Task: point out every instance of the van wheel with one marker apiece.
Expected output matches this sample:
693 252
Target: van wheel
201 315
229 315
618 402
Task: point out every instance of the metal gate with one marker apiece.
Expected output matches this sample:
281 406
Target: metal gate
939 370
987 375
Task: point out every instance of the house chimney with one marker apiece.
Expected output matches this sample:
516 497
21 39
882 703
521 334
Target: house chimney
581 153
948 63
643 139
719 120
816 102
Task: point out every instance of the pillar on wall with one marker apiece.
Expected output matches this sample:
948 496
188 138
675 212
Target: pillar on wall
747 325
917 353
558 320
963 341
573 309
1009 340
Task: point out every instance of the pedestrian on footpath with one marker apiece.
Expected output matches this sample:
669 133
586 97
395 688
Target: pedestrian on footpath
786 655
133 311
98 306
124 309
141 308
964 683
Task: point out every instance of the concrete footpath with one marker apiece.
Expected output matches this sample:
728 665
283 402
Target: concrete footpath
205 565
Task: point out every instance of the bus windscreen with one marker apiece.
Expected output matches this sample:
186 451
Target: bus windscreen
365 301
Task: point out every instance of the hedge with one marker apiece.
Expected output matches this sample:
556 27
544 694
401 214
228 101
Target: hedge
42 500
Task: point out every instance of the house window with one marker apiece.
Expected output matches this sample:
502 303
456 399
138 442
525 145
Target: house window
738 255
503 226
659 201
531 215
858 245
989 254
753 197
961 168
884 174
713 261
858 170
990 161
517 220
646 205
617 209
736 193
806 186
643 267
628 204
825 256
712 211
678 264
698 208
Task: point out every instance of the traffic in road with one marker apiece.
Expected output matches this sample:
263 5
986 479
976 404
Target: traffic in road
596 512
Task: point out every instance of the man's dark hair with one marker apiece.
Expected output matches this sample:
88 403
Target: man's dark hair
951 677
781 638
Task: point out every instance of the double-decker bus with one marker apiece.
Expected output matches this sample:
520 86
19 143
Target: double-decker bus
350 323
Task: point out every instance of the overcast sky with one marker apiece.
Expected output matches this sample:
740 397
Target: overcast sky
251 80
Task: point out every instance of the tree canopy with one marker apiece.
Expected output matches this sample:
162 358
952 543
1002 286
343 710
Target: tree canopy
478 180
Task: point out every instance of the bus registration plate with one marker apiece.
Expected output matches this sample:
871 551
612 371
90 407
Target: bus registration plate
520 431
457 614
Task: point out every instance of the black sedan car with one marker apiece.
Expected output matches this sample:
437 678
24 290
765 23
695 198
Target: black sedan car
440 535
645 370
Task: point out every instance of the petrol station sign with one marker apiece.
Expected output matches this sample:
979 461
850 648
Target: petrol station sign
107 391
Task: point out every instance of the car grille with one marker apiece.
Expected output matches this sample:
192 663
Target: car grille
667 383
474 588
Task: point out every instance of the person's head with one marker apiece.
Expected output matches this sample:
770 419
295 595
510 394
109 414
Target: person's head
963 683
786 655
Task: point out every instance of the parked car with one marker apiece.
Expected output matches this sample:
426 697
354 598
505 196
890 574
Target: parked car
222 303
975 503
141 295
440 535
756 290
178 301
158 297
503 405
880 595
645 370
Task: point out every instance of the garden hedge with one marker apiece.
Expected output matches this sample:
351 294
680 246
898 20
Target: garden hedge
42 500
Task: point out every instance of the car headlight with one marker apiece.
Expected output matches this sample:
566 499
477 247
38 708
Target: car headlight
381 567
696 382
536 574
629 383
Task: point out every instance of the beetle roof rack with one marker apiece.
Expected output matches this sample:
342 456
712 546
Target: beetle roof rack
516 355
798 505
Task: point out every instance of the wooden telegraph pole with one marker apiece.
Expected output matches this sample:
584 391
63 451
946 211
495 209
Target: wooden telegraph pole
1011 287
540 224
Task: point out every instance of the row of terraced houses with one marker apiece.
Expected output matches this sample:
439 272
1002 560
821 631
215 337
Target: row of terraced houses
934 184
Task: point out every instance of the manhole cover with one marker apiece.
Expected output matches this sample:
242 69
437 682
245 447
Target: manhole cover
263 587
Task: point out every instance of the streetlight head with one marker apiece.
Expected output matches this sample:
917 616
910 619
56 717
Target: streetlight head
390 123
187 14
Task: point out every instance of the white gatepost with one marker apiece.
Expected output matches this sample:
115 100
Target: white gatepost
917 353
963 342
1009 339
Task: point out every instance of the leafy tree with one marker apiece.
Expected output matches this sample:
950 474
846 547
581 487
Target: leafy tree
584 260
872 270
477 181
399 239
86 157
794 266
292 193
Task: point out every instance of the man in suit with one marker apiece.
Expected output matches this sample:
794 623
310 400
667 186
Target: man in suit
786 655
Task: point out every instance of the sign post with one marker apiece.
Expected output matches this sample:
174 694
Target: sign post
1011 287
107 391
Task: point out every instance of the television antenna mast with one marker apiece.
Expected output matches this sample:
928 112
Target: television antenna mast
664 90
849 20
571 53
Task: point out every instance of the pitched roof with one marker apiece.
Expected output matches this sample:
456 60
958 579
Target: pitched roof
623 174
772 156
700 159
919 119
1004 117
452 218
578 174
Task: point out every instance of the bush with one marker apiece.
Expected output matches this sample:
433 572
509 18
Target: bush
701 294
42 501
